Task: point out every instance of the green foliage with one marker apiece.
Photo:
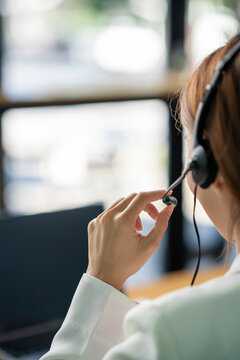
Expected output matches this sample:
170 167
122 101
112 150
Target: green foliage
74 15
98 5
232 4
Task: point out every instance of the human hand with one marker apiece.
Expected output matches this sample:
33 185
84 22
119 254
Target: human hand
116 249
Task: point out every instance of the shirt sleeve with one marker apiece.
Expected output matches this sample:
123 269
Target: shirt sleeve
94 322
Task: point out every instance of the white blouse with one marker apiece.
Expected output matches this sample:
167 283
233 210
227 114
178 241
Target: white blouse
201 322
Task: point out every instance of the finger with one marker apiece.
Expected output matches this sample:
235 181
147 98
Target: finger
160 226
125 202
138 224
110 207
151 210
140 201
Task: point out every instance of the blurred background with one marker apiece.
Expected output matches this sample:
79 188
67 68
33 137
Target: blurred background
86 87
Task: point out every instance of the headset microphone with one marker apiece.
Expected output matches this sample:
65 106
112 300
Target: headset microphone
202 163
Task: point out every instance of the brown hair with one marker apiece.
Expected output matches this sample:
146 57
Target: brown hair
222 124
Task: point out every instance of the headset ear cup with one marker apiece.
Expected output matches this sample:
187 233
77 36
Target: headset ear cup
199 165
205 167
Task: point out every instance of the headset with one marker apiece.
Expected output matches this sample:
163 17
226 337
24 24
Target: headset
202 163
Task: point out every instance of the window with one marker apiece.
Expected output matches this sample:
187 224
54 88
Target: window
68 49
64 157
59 52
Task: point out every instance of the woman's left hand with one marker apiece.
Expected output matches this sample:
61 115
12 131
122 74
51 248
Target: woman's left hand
116 249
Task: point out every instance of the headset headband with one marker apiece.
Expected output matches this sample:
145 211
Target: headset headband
208 95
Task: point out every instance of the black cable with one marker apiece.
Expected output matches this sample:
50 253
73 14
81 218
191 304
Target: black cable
198 237
190 167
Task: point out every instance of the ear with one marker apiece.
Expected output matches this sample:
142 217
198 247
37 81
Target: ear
219 181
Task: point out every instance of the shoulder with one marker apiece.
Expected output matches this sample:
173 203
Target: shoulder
208 312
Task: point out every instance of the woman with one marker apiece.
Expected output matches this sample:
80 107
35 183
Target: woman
199 322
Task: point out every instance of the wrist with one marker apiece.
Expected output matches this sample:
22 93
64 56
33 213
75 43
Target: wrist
107 279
